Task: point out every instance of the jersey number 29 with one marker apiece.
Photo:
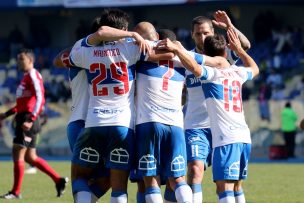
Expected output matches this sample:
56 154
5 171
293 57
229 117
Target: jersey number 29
118 72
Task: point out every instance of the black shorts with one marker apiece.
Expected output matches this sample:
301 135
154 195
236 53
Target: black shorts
26 138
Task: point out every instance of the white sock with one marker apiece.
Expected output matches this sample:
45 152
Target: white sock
153 195
197 191
198 197
226 197
183 193
119 197
227 200
154 198
239 197
82 197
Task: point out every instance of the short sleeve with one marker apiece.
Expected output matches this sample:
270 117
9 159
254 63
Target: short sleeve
244 73
208 73
77 53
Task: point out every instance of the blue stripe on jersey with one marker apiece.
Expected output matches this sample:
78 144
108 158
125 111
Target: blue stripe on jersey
73 71
204 75
192 81
154 70
199 58
212 90
84 42
109 79
249 75
215 91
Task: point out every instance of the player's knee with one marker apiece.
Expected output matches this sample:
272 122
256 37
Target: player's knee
196 171
238 186
79 172
30 159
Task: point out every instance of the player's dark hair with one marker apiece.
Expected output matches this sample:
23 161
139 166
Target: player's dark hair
166 33
215 45
115 18
28 52
200 20
95 24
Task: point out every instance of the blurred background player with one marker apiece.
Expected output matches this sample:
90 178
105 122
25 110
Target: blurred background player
29 103
289 128
197 124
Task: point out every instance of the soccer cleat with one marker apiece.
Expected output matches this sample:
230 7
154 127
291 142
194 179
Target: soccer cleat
10 195
31 170
60 186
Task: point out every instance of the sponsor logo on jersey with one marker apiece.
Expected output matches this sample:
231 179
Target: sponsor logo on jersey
107 111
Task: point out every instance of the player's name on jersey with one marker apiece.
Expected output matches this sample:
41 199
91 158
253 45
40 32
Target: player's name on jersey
106 52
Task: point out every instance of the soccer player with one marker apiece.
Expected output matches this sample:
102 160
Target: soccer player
108 134
80 99
147 78
231 140
159 124
29 102
197 123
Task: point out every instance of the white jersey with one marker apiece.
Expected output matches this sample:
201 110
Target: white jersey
110 72
159 89
223 93
80 95
196 115
79 88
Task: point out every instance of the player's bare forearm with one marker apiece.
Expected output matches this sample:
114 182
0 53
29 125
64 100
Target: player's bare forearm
189 62
106 33
243 39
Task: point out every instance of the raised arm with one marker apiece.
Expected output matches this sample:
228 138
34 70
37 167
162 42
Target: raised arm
222 20
106 33
235 45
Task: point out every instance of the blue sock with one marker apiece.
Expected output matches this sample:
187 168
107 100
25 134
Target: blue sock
226 196
96 190
169 195
119 196
80 185
197 191
140 197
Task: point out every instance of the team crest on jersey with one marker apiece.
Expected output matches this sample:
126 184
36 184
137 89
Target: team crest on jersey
88 154
234 169
178 164
147 162
120 156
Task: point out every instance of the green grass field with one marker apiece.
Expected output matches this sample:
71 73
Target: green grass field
266 183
